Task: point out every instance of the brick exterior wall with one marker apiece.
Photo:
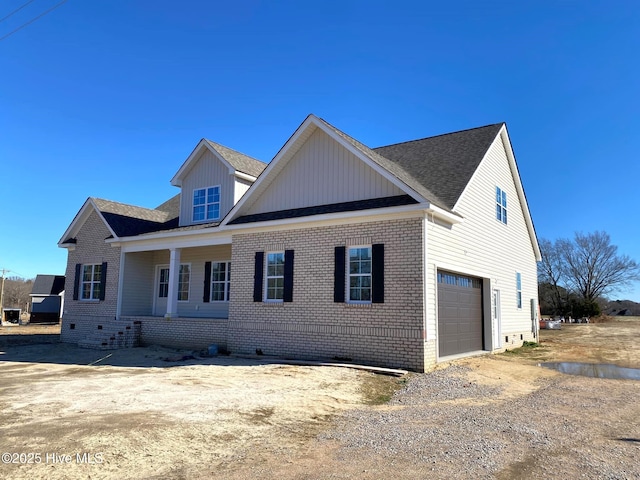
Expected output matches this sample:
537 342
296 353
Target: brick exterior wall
90 248
191 333
312 325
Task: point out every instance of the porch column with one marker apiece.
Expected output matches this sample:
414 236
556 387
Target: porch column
120 285
174 275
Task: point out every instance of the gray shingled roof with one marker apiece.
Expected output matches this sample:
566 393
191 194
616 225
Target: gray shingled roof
438 168
129 220
323 209
443 164
241 162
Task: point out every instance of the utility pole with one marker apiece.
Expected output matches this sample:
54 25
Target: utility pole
2 296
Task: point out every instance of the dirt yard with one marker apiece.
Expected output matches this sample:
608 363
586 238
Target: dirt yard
156 413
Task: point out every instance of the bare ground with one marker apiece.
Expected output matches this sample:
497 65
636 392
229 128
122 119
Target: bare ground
152 413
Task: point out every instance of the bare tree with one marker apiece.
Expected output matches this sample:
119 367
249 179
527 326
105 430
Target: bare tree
589 266
551 274
16 293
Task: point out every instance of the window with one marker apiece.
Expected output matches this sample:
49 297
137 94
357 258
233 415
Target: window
275 277
163 283
184 277
278 286
360 274
220 280
183 282
519 289
91 282
501 205
206 204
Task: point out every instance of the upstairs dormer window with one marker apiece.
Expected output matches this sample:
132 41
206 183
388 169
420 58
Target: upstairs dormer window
206 204
501 205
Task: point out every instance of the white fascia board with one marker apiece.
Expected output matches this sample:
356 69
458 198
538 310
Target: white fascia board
521 195
223 233
79 220
176 181
244 176
165 244
360 216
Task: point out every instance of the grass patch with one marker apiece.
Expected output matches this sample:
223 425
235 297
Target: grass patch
527 348
378 389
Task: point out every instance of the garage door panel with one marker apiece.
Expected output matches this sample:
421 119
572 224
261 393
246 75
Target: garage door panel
460 321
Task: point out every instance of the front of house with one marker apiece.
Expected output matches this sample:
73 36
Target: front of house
398 256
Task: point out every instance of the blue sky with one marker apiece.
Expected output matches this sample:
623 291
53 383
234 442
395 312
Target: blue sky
107 98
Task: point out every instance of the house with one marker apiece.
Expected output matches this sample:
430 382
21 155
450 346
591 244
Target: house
401 256
47 299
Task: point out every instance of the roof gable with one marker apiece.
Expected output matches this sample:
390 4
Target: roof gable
235 161
381 166
124 220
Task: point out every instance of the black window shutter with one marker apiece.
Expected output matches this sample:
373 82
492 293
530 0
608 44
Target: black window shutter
76 281
377 273
339 273
103 281
206 295
258 277
287 295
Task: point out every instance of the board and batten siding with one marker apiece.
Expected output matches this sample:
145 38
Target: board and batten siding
207 171
139 298
484 247
322 172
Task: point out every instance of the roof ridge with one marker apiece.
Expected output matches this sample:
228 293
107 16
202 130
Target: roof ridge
440 135
234 150
127 204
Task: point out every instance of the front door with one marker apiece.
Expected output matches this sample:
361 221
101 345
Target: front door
497 321
161 290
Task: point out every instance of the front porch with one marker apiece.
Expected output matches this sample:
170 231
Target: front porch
175 283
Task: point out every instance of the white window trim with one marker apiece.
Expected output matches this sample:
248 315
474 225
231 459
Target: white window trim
503 215
205 204
267 277
92 282
519 291
226 282
188 284
159 275
349 275
157 288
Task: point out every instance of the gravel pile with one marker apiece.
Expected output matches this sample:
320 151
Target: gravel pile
442 424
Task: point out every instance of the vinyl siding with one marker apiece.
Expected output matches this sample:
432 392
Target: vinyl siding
484 247
208 171
322 172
